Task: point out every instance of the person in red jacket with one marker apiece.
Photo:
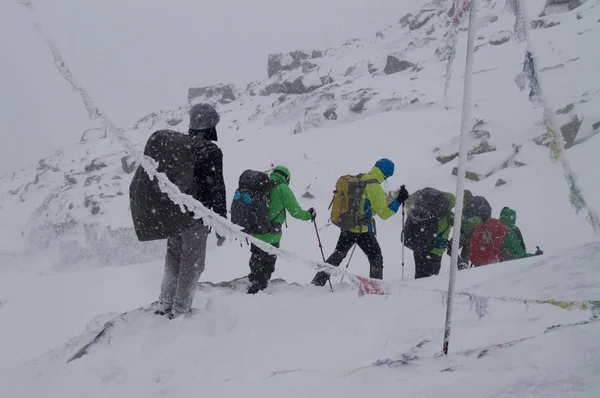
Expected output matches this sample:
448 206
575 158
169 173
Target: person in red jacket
486 243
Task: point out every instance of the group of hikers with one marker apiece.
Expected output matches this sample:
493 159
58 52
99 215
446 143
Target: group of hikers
261 202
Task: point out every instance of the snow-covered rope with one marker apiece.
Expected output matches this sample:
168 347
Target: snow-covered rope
557 143
221 225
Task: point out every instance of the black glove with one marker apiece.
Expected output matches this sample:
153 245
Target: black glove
313 213
220 239
402 195
538 252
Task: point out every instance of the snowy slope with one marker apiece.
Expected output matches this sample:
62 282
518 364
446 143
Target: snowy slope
306 341
75 203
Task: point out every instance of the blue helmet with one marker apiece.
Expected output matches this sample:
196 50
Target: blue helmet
386 166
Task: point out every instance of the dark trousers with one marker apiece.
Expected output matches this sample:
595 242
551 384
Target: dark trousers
426 264
367 242
262 266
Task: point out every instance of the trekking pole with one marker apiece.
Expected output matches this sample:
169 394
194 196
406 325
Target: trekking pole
321 247
348 264
402 239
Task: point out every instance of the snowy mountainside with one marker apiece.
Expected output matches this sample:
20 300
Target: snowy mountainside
306 341
76 203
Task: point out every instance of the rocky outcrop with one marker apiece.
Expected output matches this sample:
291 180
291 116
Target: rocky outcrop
543 24
420 20
285 62
395 65
94 165
223 93
500 38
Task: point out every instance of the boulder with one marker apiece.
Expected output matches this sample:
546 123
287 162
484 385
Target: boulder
394 65
570 130
500 182
596 126
317 54
223 93
330 113
379 35
406 20
95 165
359 105
308 66
128 164
500 38
420 20
298 128
543 24
273 64
286 62
272 88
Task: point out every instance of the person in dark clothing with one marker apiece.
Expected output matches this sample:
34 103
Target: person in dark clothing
186 252
281 201
373 202
367 242
429 249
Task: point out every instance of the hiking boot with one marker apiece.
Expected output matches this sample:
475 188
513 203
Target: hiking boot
186 314
320 278
162 308
255 288
163 312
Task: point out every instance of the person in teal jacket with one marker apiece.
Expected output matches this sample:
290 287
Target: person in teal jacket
513 247
281 201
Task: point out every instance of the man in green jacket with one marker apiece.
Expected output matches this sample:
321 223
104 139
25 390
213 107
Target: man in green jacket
281 200
373 202
513 247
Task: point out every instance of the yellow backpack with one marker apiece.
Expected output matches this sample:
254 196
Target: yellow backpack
345 205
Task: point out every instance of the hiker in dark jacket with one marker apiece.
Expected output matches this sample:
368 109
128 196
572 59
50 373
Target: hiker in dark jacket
186 252
476 209
428 255
281 201
373 202
513 246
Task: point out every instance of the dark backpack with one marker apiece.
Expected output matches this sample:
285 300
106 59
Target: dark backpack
250 206
478 207
154 215
427 209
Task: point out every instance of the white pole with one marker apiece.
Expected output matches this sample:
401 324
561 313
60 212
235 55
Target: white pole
466 124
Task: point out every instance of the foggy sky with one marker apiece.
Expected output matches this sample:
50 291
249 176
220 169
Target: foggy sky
137 56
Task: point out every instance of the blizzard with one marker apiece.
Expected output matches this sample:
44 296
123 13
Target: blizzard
76 288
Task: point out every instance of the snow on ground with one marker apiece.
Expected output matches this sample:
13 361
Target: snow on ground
305 341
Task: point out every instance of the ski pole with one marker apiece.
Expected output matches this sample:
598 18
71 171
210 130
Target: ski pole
321 247
402 239
348 264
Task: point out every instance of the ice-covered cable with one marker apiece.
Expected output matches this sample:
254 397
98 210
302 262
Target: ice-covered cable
221 225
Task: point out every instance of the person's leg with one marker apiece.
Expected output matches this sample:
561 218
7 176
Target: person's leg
426 264
169 282
370 246
420 263
262 266
343 246
193 256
